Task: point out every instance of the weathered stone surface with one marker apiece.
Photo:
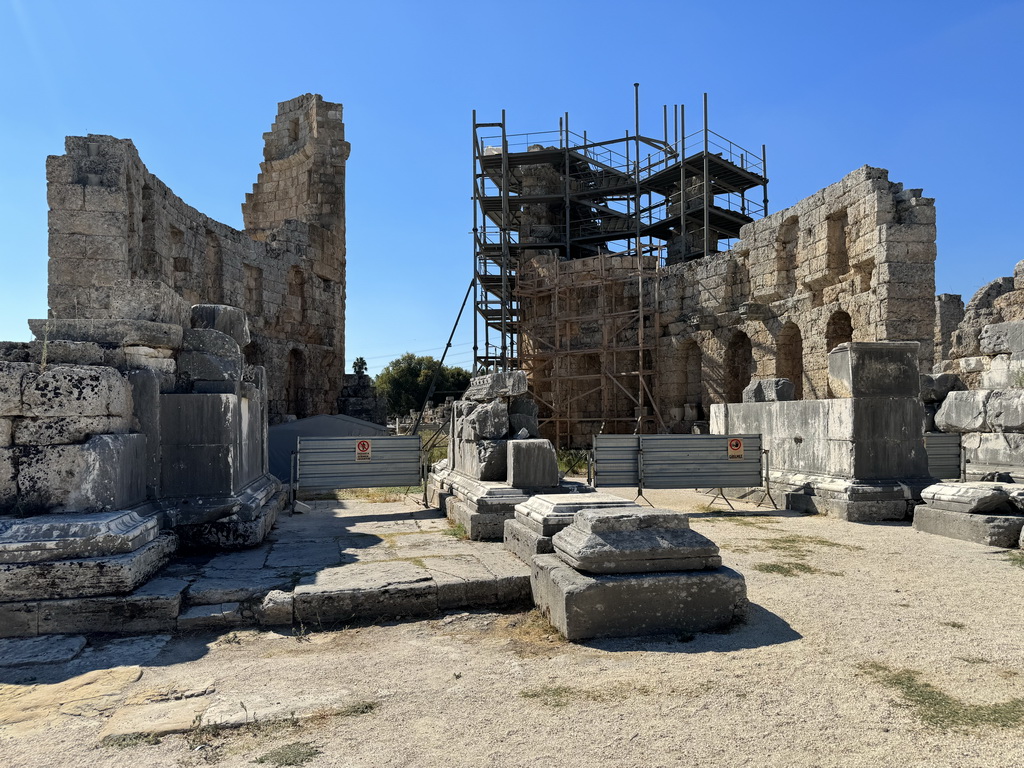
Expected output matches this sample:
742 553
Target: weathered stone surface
76 391
488 421
634 540
484 460
231 321
494 385
522 414
198 618
874 369
976 498
1004 411
935 387
15 652
990 530
276 609
64 537
187 420
8 484
200 366
525 543
377 590
153 607
86 577
582 606
547 513
963 412
532 464
62 430
211 341
993 450
6 432
998 338
237 586
114 332
769 391
477 581
11 377
106 472
60 352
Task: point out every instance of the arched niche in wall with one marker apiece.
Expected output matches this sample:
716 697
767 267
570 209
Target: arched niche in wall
839 330
739 366
692 361
785 256
789 350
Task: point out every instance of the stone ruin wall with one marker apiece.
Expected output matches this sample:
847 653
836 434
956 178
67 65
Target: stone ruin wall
853 262
123 245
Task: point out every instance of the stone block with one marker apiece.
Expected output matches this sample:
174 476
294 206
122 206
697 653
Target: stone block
11 378
335 596
106 472
113 332
145 386
198 470
153 607
525 543
582 606
58 352
522 414
77 391
963 412
151 301
62 430
226 319
483 460
547 513
210 341
64 537
634 540
200 618
1002 338
495 385
489 421
989 530
277 609
217 532
532 464
8 483
6 432
199 419
769 391
872 369
235 586
478 581
1004 411
89 576
200 366
968 498
994 449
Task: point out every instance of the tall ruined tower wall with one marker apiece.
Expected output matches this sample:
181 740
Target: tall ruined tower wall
123 245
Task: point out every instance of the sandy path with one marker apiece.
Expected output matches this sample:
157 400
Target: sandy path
791 687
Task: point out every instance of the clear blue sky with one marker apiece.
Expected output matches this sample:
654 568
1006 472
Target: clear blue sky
930 90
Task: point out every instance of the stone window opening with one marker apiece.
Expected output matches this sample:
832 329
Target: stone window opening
837 242
790 357
839 330
739 366
785 256
692 364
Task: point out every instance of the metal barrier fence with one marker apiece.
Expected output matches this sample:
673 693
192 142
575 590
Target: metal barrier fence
332 463
677 461
944 455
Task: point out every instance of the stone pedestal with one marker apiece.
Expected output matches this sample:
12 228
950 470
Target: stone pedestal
627 571
542 516
984 513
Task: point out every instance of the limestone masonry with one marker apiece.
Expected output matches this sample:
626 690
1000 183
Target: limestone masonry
123 245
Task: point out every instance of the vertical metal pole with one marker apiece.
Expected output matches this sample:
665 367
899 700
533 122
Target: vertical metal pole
682 178
639 260
477 252
764 172
505 214
707 239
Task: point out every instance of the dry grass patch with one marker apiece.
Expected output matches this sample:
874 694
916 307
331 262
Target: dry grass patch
939 709
557 696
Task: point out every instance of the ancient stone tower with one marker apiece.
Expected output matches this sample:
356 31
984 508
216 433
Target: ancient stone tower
123 245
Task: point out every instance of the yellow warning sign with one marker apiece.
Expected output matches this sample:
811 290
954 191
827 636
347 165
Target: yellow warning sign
364 450
735 448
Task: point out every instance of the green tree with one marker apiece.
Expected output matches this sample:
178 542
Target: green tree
404 382
359 366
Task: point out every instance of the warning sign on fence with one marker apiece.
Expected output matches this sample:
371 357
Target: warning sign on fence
735 448
364 451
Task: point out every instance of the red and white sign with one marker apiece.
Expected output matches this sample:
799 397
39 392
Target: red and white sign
364 450
735 448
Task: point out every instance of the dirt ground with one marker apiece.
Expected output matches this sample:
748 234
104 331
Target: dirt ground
865 645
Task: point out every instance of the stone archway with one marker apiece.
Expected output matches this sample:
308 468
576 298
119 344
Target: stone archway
739 367
789 357
839 330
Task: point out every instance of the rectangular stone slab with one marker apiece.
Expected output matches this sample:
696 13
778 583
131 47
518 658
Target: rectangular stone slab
546 514
990 530
524 543
86 577
582 606
63 537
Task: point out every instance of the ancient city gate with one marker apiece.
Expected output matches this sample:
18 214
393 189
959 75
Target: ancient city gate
333 463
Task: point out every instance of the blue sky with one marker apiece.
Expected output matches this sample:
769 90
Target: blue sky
930 90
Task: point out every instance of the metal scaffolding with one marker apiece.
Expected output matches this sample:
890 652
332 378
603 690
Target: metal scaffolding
570 238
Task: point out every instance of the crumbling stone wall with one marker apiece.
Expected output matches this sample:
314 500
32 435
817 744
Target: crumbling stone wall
123 245
853 262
